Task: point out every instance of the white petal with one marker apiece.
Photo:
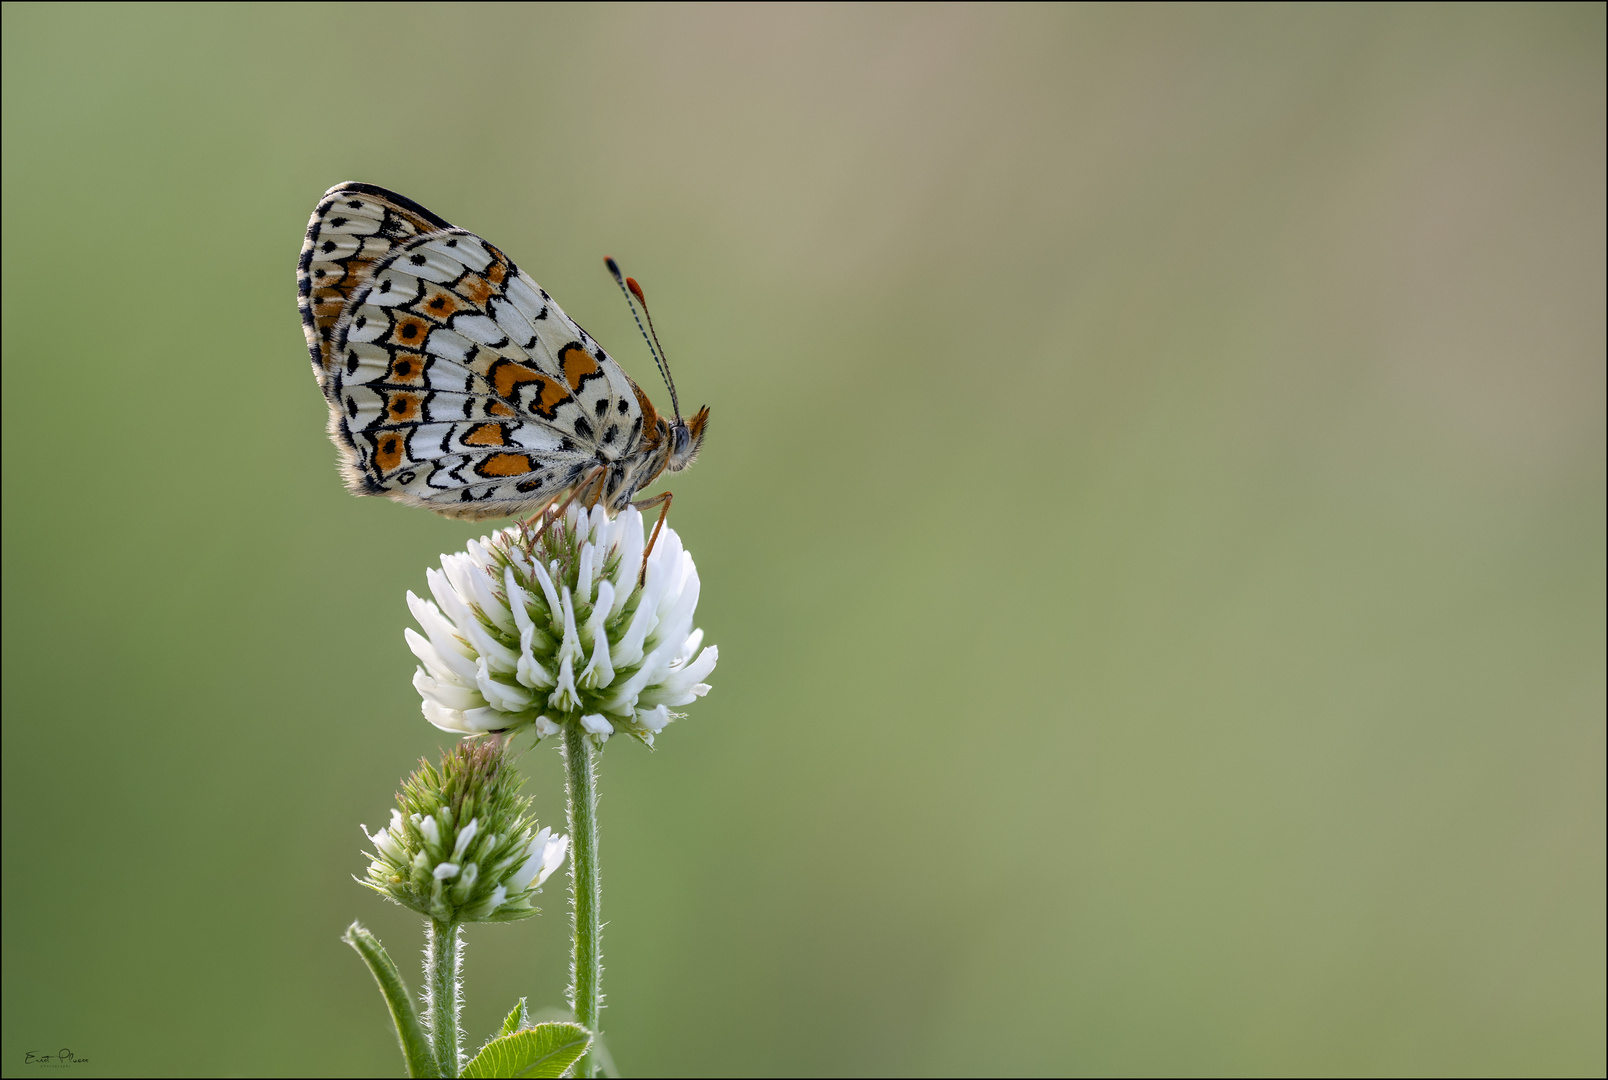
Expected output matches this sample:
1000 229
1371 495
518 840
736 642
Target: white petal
482 720
677 621
450 665
698 670
554 608
673 696
564 696
518 600
553 853
453 720
690 649
531 672
431 831
599 673
474 584
442 634
447 694
628 650
441 587
446 870
500 695
597 725
520 879
501 657
465 835
625 575
545 727
583 573
388 845
600 609
655 720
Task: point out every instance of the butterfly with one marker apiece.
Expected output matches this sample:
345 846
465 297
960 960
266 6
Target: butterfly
454 382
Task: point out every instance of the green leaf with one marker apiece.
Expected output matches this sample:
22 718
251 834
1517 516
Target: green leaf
410 1034
544 1050
515 1020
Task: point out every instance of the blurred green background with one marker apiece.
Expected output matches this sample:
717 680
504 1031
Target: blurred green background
1153 523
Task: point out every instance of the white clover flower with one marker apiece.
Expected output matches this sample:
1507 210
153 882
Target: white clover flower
462 847
560 632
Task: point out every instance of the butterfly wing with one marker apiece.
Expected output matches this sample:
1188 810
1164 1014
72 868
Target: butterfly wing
354 226
454 382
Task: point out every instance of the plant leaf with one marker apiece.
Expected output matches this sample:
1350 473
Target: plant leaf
410 1034
516 1019
545 1050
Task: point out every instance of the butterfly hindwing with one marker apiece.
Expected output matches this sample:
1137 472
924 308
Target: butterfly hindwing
353 226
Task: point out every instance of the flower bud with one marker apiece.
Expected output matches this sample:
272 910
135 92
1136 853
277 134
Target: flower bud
462 846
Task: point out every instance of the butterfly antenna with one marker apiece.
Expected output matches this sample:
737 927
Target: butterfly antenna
631 289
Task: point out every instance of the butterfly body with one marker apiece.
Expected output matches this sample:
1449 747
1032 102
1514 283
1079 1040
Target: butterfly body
454 382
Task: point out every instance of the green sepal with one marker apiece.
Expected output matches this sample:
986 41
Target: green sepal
545 1050
504 915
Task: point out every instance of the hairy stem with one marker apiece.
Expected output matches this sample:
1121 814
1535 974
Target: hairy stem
586 959
443 1000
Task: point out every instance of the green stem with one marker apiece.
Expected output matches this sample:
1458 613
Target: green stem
409 1032
586 965
443 959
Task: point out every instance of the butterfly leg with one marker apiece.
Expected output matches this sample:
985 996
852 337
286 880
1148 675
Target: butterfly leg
663 498
595 476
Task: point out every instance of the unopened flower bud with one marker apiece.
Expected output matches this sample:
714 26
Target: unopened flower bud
462 846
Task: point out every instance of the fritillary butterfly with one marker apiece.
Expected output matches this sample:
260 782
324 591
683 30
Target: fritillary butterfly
454 381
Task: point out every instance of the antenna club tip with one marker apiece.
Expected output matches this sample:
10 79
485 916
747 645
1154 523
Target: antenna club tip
614 267
636 291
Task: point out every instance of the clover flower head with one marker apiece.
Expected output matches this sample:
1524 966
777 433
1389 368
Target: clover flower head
462 847
561 628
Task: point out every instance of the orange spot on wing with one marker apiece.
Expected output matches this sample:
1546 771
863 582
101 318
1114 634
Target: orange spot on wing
439 304
409 330
497 272
406 367
388 451
486 435
505 465
476 288
507 376
577 364
401 407
497 408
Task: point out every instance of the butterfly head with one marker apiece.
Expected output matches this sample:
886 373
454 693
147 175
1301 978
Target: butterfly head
686 439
